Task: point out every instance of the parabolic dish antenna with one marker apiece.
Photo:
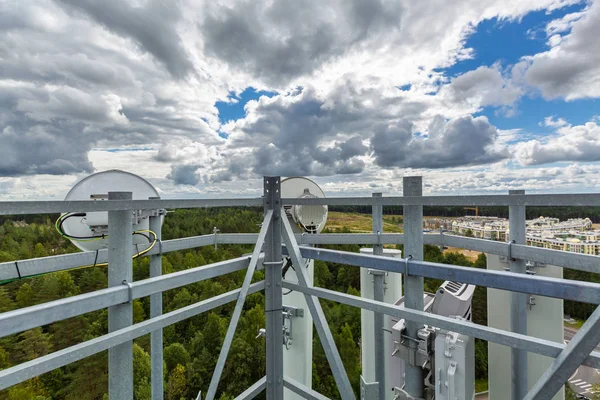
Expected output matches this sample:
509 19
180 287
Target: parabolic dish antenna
310 219
88 231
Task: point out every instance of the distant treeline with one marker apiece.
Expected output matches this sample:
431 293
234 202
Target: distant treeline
563 213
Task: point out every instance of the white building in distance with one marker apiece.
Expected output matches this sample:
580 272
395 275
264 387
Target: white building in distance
575 235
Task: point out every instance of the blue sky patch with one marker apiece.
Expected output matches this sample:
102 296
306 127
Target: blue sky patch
235 110
507 41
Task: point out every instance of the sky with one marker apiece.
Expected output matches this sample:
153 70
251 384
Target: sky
203 98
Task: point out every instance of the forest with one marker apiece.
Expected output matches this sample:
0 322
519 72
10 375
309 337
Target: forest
191 347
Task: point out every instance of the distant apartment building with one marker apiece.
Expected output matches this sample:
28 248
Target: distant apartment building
574 235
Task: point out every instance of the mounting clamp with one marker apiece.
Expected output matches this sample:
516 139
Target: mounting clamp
415 351
130 290
289 313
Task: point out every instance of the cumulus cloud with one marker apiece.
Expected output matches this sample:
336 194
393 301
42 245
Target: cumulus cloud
283 40
571 143
152 26
553 122
62 94
81 77
570 69
461 141
184 149
482 87
185 174
311 132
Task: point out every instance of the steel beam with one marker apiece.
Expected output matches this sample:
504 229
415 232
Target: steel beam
518 301
582 262
301 390
378 294
48 207
413 284
319 319
580 346
239 306
253 390
22 372
42 314
120 357
586 292
156 307
273 290
537 200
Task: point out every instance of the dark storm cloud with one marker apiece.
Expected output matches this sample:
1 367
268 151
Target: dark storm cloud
285 39
153 27
307 134
461 141
30 144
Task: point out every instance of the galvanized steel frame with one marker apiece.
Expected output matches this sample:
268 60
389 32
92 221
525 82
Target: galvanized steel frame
567 357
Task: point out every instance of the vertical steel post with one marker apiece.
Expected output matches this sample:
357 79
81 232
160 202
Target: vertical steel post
413 285
518 304
378 294
120 357
273 290
156 337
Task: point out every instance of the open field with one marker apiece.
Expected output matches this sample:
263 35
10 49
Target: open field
361 223
470 254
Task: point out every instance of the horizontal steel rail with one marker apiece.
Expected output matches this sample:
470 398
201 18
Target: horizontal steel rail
36 266
49 207
536 200
528 343
565 259
551 287
22 372
42 314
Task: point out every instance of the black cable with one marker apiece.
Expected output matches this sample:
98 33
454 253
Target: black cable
62 232
95 258
286 267
18 271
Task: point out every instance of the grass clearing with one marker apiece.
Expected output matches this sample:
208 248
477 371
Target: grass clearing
362 223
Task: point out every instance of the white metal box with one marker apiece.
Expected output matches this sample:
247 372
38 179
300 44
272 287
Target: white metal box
454 366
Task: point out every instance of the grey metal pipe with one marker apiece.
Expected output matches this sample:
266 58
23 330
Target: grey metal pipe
378 292
518 304
413 285
380 356
120 357
273 290
156 300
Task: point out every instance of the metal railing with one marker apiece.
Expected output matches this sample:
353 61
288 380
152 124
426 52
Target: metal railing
277 238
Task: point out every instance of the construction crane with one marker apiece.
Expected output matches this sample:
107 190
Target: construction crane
476 209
